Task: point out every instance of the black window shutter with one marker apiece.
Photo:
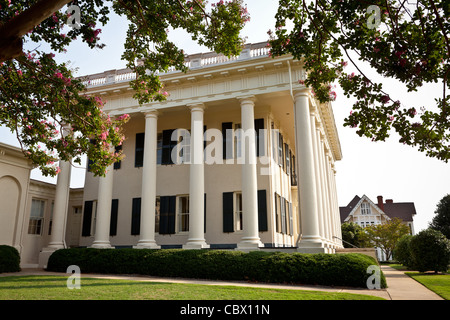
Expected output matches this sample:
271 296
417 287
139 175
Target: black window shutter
291 220
260 144
167 146
262 210
139 150
227 139
87 218
163 214
167 215
283 215
114 213
204 213
136 216
228 212
172 207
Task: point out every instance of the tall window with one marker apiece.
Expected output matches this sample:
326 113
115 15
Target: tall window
365 208
36 217
183 213
139 150
238 210
237 140
159 144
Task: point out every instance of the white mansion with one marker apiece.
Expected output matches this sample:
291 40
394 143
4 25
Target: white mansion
253 167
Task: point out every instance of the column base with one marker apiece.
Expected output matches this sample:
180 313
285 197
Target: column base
192 245
249 245
146 244
101 245
311 245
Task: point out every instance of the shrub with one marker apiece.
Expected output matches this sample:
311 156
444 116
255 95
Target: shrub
9 259
430 251
402 252
275 267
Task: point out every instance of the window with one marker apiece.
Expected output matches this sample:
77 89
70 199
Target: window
365 208
167 215
36 217
232 211
260 138
280 151
227 140
167 147
50 223
274 139
293 171
238 211
278 213
159 148
136 217
287 159
139 150
238 140
184 146
183 213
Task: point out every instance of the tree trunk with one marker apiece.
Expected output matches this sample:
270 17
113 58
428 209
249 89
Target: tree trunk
12 31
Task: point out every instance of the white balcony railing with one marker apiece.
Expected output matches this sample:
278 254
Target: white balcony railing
194 61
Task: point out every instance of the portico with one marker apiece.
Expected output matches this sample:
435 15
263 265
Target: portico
273 188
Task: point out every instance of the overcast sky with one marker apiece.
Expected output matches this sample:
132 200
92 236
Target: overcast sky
390 169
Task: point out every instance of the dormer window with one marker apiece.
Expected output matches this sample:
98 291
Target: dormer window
365 208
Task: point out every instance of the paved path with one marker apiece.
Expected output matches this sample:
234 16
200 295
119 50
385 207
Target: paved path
400 286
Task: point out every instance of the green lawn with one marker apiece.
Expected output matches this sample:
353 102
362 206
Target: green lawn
55 288
439 283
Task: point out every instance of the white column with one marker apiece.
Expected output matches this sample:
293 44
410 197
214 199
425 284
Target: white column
148 195
330 198
196 238
320 209
325 202
102 226
250 238
310 240
57 238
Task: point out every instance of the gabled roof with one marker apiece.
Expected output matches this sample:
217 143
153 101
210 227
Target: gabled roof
345 211
402 210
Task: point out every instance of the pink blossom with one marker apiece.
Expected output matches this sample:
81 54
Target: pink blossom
385 99
104 135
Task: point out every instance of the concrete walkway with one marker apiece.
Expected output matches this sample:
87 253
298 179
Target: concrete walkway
400 286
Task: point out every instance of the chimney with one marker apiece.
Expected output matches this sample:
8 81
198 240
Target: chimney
389 201
380 202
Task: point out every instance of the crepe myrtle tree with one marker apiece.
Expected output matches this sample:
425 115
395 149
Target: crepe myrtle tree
403 40
39 97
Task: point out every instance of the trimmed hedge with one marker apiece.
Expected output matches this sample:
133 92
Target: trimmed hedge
274 267
9 259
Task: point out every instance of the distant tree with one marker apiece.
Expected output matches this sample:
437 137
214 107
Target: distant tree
39 97
430 251
441 221
386 236
406 41
351 234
